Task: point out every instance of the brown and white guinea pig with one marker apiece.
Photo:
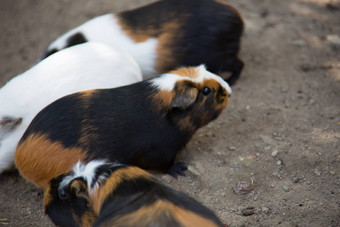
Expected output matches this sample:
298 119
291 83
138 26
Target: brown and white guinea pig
168 34
109 194
143 124
87 66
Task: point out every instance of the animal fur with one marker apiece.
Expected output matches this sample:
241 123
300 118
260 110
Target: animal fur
143 124
120 195
82 67
168 34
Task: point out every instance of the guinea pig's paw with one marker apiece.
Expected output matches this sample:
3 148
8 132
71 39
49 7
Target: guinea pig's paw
178 168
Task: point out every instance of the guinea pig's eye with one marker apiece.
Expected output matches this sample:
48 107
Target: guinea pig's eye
63 195
206 91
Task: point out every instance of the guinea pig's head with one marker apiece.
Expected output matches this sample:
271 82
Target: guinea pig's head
192 96
67 203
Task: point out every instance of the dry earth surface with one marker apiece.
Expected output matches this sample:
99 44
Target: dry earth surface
281 128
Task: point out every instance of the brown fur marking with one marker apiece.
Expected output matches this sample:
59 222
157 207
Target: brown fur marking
100 194
166 59
86 94
47 197
211 83
39 159
162 100
154 214
191 72
88 219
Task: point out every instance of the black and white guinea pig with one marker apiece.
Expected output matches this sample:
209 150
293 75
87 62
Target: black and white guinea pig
167 34
143 124
87 66
120 195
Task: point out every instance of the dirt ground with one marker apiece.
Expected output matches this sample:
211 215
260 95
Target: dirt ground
281 128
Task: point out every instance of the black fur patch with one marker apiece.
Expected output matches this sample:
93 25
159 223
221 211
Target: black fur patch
53 121
128 128
48 53
65 212
75 39
132 195
208 33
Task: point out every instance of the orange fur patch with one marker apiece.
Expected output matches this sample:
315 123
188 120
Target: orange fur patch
158 213
211 83
86 94
162 100
39 159
86 220
47 197
186 124
101 193
191 72
166 59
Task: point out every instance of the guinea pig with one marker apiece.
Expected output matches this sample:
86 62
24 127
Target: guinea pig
143 124
165 35
82 67
120 195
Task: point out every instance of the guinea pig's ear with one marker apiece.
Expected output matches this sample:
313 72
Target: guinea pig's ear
185 95
79 188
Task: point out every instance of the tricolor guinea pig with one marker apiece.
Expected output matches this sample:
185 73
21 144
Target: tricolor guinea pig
168 34
143 124
120 195
86 66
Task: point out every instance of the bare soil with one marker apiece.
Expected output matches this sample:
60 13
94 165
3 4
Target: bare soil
281 128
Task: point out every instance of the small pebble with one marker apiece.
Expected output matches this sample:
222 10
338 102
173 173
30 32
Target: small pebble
248 211
332 172
210 134
279 162
278 138
295 180
333 40
275 153
285 188
276 174
267 148
265 210
231 148
243 187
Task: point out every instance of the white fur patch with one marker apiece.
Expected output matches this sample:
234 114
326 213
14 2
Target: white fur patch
85 171
82 67
167 81
88 173
106 29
